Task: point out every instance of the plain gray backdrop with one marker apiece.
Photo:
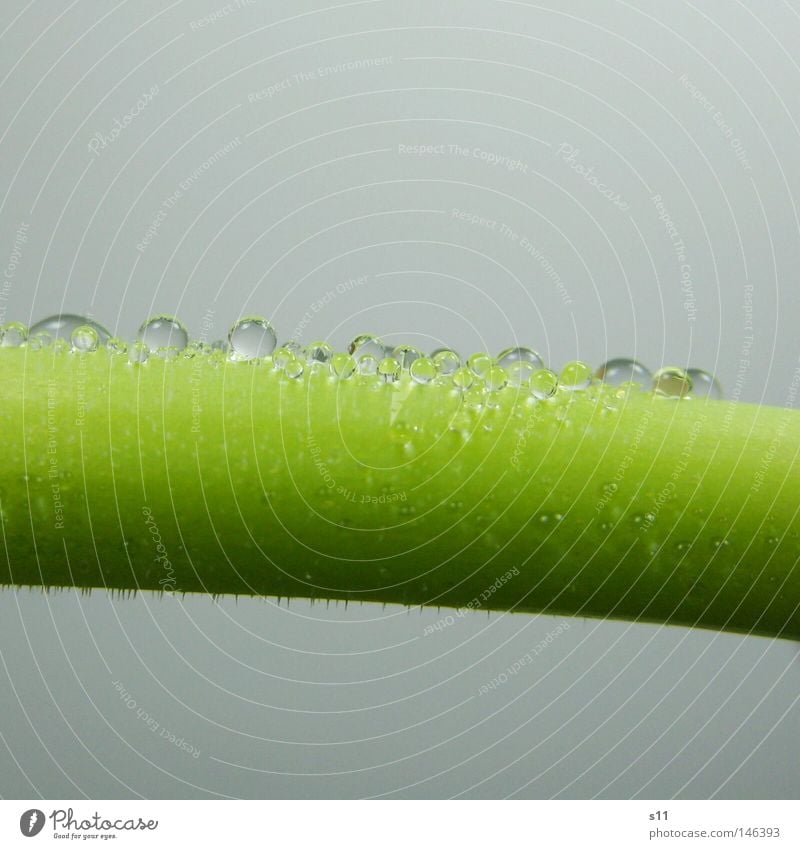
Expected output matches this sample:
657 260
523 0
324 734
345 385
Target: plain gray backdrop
592 179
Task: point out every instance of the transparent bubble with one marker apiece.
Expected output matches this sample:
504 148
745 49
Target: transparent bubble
85 339
621 370
463 378
672 382
480 363
294 367
544 383
406 355
162 332
704 385
389 369
575 375
138 353
343 365
318 353
282 356
251 338
495 379
61 325
520 355
367 345
423 370
446 361
13 334
117 345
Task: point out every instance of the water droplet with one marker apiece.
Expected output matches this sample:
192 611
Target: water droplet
318 353
704 385
389 369
85 339
251 338
368 364
463 378
575 375
162 332
447 361
520 355
544 384
293 367
367 345
405 355
61 325
423 370
720 542
480 363
619 371
282 356
138 353
40 340
117 345
13 334
672 382
495 379
520 373
343 365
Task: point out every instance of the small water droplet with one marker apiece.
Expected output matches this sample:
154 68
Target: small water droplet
367 364
704 385
282 356
13 334
544 384
116 345
40 340
621 370
672 382
520 355
251 338
318 353
423 370
61 325
389 369
720 542
463 378
446 361
343 365
138 353
406 355
575 376
480 363
520 373
162 332
84 339
293 367
495 379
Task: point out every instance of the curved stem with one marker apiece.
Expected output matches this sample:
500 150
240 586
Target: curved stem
196 475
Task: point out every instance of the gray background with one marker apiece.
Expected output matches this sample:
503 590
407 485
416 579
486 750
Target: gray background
692 102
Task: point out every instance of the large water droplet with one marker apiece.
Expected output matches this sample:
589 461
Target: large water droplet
367 345
520 355
162 332
85 339
704 385
621 370
251 338
544 384
61 325
423 370
13 334
672 382
575 375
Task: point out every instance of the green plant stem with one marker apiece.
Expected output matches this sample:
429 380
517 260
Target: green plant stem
641 508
